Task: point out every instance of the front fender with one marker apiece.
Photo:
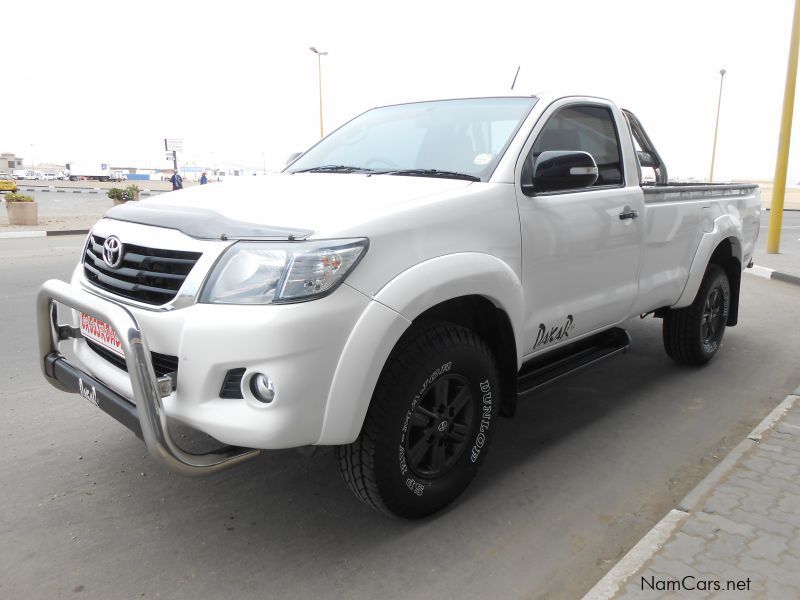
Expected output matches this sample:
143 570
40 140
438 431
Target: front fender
725 226
390 314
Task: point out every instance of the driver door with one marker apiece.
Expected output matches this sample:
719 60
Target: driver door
580 247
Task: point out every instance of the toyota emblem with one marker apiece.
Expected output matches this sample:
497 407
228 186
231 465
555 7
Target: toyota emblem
112 252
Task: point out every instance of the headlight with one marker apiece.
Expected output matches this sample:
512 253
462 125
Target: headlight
273 273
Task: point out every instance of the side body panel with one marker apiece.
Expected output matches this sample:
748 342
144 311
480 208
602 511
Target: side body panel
683 228
672 232
580 261
734 216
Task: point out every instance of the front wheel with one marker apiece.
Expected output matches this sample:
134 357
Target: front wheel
693 335
428 427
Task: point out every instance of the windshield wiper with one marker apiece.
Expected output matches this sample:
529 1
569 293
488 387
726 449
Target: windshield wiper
431 173
335 169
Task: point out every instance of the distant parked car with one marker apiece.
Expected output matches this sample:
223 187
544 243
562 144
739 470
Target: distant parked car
48 177
7 183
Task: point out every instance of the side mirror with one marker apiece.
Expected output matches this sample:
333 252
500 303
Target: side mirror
292 157
559 170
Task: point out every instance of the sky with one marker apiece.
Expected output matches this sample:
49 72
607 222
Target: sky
108 80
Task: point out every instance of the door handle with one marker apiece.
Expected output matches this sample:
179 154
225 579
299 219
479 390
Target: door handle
630 214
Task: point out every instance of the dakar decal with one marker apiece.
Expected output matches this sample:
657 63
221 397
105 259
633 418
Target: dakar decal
547 336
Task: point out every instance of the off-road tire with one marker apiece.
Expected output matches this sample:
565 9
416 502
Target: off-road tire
429 423
693 335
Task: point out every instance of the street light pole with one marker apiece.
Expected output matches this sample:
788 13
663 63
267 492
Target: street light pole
319 54
782 162
716 127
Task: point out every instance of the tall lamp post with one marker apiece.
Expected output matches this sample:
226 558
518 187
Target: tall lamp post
716 127
319 54
782 161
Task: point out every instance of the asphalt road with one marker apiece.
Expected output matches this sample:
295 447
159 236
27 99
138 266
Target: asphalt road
788 260
582 472
65 209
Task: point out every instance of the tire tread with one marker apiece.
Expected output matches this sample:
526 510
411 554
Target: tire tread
356 461
679 331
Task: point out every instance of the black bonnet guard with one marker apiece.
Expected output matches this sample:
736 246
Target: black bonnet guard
202 223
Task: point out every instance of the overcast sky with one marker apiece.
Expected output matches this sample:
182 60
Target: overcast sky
107 81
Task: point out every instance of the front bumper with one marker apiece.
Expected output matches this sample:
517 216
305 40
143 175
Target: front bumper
299 346
149 410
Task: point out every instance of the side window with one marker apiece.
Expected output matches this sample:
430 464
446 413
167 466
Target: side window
587 128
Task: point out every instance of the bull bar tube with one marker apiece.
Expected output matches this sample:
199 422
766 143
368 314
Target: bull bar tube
149 410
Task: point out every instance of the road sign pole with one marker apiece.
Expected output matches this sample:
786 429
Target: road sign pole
782 163
175 160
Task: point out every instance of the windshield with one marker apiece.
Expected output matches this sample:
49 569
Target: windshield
425 138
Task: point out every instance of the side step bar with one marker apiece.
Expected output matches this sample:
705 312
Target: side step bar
541 371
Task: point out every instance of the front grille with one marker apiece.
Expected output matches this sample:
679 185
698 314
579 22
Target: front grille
149 275
162 363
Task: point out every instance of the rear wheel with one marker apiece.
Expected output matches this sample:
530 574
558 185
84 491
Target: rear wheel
693 335
429 423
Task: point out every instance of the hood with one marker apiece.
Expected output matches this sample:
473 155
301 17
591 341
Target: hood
282 205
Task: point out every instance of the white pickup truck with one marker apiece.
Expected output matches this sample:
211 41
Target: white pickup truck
395 289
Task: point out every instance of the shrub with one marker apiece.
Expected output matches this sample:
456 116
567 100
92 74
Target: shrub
120 194
18 198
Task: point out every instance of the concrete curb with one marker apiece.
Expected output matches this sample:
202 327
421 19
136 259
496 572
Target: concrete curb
629 565
64 190
694 500
41 233
613 581
767 273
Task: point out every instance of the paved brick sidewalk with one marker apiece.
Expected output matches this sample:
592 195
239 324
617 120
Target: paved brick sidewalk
740 525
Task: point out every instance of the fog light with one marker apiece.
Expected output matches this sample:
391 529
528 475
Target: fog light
262 388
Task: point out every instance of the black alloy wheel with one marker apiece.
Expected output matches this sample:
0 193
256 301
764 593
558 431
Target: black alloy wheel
712 317
439 426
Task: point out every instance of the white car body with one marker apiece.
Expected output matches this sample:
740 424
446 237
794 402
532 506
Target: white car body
539 260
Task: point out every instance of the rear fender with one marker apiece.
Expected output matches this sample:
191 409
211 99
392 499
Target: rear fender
725 227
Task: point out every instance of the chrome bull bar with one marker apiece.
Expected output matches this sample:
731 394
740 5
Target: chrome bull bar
150 411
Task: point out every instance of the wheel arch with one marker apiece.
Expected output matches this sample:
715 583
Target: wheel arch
727 255
722 246
465 288
493 325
